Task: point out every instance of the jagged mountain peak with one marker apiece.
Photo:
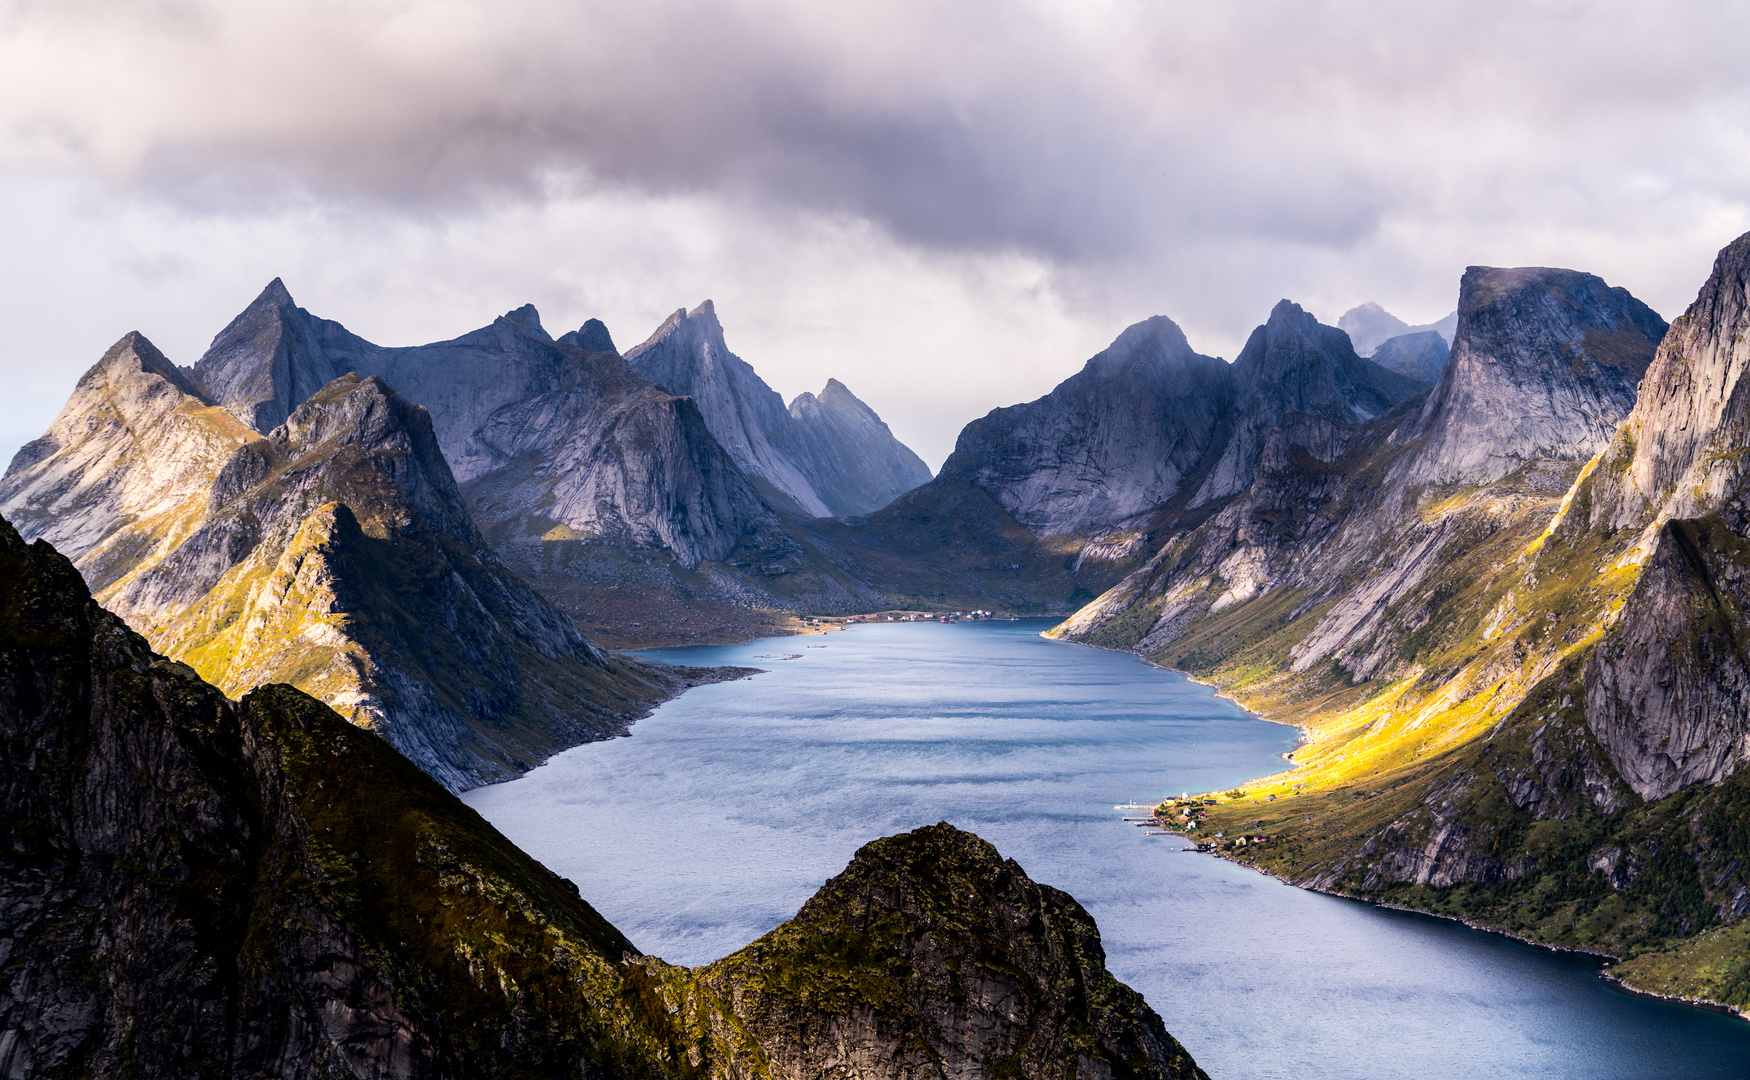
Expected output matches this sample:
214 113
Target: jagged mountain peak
1155 339
271 357
1294 363
1680 452
527 319
592 337
1544 366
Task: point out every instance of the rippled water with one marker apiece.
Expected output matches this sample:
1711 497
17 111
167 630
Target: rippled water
727 808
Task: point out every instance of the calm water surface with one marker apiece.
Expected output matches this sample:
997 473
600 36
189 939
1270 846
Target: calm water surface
727 808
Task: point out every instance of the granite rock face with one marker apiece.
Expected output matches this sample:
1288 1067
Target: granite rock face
335 554
1666 687
829 456
193 886
1545 365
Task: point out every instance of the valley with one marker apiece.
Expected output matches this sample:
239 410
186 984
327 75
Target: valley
1494 571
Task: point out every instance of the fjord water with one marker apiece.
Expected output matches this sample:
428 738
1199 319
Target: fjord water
728 807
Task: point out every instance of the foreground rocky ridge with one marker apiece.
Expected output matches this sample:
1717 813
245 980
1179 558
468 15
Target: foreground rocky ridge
1523 686
191 886
334 553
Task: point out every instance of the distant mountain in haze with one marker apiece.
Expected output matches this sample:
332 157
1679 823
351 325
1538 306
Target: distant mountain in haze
1369 325
829 455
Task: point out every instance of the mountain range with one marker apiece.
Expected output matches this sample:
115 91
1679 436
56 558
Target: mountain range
1494 568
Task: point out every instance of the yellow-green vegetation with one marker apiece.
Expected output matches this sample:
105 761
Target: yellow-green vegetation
1448 764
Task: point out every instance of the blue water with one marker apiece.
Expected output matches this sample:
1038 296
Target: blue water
728 807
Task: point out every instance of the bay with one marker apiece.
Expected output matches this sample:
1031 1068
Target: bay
729 806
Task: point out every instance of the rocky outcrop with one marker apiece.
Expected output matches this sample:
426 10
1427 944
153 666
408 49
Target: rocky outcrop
199 887
1115 440
1668 688
1369 326
830 456
1545 365
1420 356
932 955
1294 363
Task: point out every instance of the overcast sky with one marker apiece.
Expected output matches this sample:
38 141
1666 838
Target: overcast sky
949 206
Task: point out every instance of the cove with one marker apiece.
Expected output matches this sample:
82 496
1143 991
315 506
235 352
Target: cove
729 806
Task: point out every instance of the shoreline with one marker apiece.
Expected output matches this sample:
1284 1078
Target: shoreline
1605 960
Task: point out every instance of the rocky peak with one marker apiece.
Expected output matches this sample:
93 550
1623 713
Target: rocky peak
852 458
273 356
1680 452
1296 363
528 320
1114 440
1544 366
591 337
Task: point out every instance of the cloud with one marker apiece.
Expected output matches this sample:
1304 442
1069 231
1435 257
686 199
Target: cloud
1068 166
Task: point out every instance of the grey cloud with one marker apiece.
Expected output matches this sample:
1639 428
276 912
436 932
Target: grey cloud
976 125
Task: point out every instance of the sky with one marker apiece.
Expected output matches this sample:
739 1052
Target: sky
948 205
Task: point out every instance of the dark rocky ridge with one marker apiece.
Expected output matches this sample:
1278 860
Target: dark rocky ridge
191 886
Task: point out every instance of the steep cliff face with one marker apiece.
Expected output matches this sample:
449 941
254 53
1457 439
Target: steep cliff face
857 461
833 458
1544 367
1294 363
198 887
1115 440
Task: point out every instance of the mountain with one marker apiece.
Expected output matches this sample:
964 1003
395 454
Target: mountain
827 456
855 457
1115 440
1420 355
335 553
1369 326
1294 363
204 887
1544 366
1518 654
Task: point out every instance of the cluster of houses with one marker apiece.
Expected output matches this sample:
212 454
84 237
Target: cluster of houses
955 616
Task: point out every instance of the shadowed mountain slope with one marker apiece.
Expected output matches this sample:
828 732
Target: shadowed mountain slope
201 887
335 554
